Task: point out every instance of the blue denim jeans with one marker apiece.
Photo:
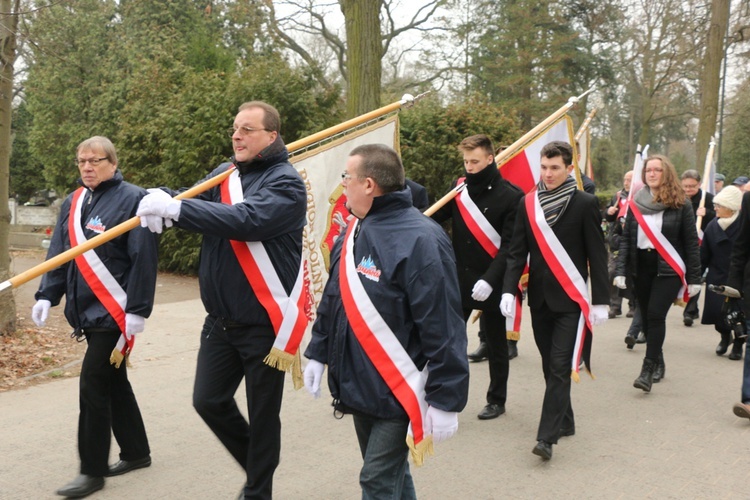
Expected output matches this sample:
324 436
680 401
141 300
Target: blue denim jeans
746 370
385 474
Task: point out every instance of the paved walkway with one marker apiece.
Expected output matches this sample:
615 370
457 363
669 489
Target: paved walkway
679 441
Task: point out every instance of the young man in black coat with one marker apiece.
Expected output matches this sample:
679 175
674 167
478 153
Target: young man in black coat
482 218
556 310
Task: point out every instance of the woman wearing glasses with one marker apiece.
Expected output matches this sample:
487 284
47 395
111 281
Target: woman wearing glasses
716 250
659 250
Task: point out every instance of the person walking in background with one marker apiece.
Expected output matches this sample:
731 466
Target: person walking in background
691 182
482 218
716 250
389 326
251 277
559 228
659 250
109 294
719 180
614 214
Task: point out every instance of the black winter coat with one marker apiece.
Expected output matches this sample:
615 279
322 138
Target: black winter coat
131 258
498 201
416 294
739 267
678 226
716 250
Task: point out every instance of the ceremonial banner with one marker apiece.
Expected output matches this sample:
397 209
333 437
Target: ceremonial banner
584 154
321 170
523 168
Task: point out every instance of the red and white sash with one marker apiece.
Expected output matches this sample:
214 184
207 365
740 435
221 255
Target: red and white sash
665 249
380 344
565 272
289 314
98 278
477 223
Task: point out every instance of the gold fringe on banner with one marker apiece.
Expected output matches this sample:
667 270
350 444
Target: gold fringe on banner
116 359
513 335
285 362
421 451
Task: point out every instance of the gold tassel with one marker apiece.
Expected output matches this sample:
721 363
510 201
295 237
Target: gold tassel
285 362
116 358
421 451
574 376
513 336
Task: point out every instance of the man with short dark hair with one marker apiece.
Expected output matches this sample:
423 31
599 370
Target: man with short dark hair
559 228
251 278
482 217
389 326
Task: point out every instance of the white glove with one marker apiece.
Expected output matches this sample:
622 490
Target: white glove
441 424
40 311
157 202
598 314
481 291
506 304
694 290
312 376
620 282
134 324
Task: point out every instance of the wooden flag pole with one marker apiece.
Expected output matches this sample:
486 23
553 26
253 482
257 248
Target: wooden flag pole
706 174
514 148
586 124
406 101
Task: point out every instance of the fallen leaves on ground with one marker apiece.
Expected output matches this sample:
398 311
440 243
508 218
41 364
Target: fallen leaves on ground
33 351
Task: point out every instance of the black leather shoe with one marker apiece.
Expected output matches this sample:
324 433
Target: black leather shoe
124 466
630 313
480 354
81 486
687 321
570 431
512 349
630 341
543 449
491 411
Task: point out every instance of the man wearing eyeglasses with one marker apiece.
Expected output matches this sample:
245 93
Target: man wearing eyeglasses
110 293
691 184
250 270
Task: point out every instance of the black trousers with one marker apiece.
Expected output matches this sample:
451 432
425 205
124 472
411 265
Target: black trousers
497 353
108 406
555 337
224 358
655 296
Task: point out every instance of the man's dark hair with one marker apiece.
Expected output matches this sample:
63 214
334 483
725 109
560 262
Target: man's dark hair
558 148
382 164
477 141
271 117
691 174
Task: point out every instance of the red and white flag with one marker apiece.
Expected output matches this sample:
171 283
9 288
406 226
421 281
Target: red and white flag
523 169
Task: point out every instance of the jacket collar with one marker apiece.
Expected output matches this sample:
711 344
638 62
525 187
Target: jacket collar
275 153
390 202
105 185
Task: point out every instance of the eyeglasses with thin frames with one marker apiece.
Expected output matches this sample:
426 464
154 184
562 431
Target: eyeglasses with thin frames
244 131
93 161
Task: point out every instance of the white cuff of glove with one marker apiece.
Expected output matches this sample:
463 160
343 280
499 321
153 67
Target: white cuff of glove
441 424
134 324
507 302
481 291
40 311
598 314
694 290
312 377
619 282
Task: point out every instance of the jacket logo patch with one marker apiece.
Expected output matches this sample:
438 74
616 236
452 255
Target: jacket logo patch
368 269
95 224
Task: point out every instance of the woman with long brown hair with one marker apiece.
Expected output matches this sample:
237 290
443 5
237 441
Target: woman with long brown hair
659 250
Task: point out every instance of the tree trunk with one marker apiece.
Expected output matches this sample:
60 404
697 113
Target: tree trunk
711 78
364 51
8 28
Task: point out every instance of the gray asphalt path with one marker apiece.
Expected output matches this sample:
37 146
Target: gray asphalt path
679 441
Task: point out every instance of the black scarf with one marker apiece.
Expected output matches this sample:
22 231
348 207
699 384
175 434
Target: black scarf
555 202
476 183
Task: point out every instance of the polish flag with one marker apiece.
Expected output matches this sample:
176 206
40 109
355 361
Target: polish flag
523 169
